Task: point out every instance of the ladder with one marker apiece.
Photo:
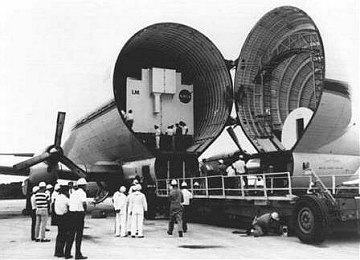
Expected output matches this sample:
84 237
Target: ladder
318 182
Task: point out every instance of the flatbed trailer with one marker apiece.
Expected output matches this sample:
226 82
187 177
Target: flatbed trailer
309 212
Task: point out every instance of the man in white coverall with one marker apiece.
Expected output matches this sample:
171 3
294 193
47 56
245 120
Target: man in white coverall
137 207
131 190
120 204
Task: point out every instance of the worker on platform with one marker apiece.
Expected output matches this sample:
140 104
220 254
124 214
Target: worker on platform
184 127
77 208
137 207
120 206
42 207
33 212
240 169
61 209
268 223
129 119
176 209
157 136
205 168
222 167
187 195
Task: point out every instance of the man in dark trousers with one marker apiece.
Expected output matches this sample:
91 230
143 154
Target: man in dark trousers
61 208
176 209
77 207
33 212
265 224
187 195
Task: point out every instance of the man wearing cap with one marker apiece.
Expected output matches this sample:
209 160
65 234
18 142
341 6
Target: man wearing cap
33 212
120 205
52 203
131 190
42 206
61 209
186 204
265 224
77 208
222 167
137 207
176 209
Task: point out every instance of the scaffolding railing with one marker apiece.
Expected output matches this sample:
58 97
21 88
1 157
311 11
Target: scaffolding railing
265 186
268 186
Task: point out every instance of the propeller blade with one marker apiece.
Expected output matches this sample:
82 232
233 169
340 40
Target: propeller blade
233 136
19 154
59 128
73 167
32 161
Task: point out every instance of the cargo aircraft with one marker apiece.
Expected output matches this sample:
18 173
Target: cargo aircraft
289 113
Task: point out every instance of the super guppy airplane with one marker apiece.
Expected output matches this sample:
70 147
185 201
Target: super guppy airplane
168 72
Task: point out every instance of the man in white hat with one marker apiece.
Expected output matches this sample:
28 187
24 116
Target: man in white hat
77 208
137 207
176 209
186 204
52 203
61 208
42 206
131 190
33 212
266 223
120 206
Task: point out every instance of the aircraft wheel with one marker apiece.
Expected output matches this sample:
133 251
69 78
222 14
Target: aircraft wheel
311 219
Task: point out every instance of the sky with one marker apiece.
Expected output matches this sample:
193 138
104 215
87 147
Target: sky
59 55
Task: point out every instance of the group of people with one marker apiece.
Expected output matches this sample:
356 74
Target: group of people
174 134
129 210
67 205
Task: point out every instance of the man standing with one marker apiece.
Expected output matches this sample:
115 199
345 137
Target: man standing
222 167
137 207
77 207
33 212
42 206
187 195
61 209
176 209
240 168
53 198
157 136
130 192
129 119
120 203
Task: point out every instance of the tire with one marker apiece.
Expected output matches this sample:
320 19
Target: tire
311 219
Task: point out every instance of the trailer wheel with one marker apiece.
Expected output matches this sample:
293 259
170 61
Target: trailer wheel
311 219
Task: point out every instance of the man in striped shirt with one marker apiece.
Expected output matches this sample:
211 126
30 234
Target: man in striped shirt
42 204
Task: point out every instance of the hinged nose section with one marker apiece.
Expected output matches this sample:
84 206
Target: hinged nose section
181 70
281 67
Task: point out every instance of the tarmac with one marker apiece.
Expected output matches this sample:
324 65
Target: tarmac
201 241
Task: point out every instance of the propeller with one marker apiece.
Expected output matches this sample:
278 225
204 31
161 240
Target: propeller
54 153
19 154
233 136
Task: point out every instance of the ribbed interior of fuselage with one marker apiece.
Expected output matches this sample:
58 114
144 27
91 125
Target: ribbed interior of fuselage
281 68
175 46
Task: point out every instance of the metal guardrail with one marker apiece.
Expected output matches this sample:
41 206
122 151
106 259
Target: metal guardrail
246 186
266 186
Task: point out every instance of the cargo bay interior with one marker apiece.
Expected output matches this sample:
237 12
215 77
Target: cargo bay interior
201 65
